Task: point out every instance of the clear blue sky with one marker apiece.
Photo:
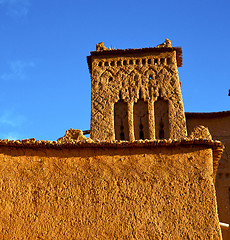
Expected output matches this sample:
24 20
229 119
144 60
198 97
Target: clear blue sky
45 83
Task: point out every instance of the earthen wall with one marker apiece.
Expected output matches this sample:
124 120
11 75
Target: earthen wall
219 127
107 193
137 79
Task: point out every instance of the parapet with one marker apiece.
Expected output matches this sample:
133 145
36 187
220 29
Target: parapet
109 190
71 143
101 50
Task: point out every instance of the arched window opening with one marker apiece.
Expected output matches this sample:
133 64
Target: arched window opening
122 135
161 119
141 119
141 134
161 130
121 120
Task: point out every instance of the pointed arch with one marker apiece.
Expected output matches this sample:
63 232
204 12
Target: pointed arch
106 73
161 119
106 77
150 76
123 71
150 70
141 120
121 120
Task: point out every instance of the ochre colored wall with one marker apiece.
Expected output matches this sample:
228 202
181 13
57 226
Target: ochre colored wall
130 77
107 193
219 128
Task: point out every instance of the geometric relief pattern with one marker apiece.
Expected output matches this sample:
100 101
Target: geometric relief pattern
130 83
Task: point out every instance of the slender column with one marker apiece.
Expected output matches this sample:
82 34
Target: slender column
113 123
151 120
130 121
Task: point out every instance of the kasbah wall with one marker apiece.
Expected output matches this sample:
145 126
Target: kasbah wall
148 170
218 124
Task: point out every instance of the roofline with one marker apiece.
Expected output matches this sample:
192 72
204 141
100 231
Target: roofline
191 115
118 52
217 146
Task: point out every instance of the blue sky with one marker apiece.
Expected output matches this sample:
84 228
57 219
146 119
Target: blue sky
45 83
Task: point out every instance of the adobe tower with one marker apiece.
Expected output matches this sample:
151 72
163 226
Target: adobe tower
136 93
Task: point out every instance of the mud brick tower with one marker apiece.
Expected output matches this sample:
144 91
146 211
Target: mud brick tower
136 93
82 188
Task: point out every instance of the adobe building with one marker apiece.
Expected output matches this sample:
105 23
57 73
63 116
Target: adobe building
136 93
142 174
218 124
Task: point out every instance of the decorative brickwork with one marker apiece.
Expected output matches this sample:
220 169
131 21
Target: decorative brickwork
138 177
139 79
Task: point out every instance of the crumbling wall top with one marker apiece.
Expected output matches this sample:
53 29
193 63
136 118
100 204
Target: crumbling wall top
217 146
101 50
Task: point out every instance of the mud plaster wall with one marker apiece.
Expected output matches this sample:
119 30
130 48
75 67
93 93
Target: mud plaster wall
107 193
146 76
219 128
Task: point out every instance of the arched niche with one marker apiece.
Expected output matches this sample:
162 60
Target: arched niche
121 121
106 77
161 114
141 120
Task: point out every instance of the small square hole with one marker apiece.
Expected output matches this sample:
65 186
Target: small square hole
150 77
118 63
